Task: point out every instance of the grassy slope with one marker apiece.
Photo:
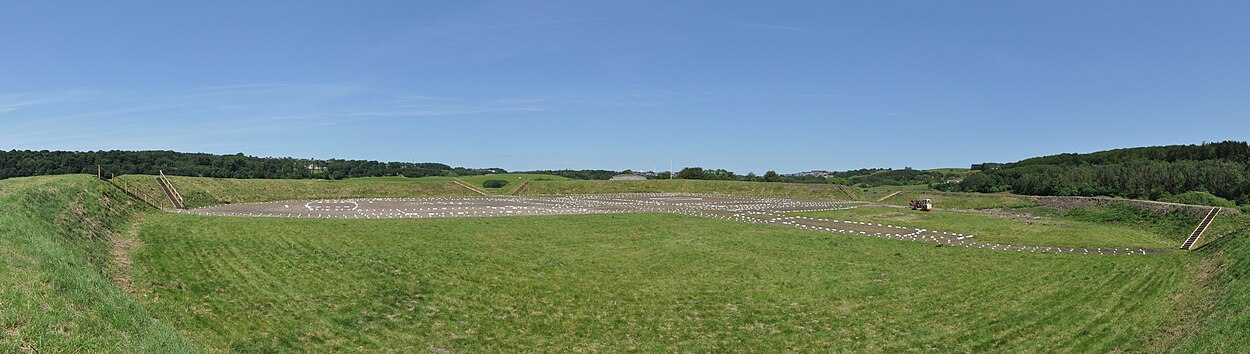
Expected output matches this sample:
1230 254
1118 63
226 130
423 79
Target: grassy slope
201 192
1224 226
1048 231
56 235
879 192
790 190
512 178
640 282
1226 316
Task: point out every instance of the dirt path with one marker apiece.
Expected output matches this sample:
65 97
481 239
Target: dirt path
122 245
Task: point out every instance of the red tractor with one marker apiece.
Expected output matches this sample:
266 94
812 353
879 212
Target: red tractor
923 204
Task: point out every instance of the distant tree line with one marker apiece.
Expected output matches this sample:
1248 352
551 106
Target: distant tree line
890 177
865 177
1221 169
22 163
578 174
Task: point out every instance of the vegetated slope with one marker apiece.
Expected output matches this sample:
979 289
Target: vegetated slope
1222 169
1224 317
56 242
514 180
788 190
476 180
201 192
637 282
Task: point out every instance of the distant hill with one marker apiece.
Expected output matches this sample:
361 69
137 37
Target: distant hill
1158 172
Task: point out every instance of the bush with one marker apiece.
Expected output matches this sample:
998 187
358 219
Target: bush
1199 198
494 183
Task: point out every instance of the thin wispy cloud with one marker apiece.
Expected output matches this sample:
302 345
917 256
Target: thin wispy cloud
772 27
207 114
16 101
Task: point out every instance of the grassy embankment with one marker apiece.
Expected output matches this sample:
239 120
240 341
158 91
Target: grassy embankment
514 180
788 190
1222 316
202 191
57 241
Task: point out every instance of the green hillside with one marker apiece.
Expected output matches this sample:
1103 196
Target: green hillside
59 237
1156 173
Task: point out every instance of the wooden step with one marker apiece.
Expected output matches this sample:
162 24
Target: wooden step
1202 228
469 186
170 192
888 196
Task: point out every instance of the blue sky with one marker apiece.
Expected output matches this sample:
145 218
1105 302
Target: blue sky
745 86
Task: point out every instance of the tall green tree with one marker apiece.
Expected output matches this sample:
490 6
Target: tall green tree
691 173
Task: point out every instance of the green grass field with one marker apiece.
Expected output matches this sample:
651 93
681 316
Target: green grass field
84 268
641 282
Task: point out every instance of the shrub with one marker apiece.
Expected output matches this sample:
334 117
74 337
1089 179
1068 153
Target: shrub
494 183
1199 198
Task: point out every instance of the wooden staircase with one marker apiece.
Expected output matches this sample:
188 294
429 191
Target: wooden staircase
470 186
1202 227
170 192
847 190
520 188
888 196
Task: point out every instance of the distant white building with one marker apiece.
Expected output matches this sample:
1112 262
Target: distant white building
627 177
